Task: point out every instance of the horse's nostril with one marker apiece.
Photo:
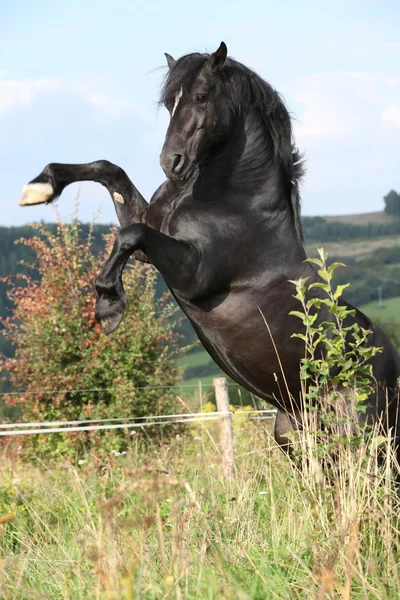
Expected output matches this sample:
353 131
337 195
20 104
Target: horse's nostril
177 163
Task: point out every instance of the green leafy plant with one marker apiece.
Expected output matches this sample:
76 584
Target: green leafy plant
337 349
335 372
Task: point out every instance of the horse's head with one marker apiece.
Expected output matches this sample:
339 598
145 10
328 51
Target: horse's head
194 95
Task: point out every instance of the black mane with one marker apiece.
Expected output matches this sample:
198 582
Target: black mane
246 89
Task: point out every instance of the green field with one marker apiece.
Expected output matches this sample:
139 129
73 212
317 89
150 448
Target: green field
200 388
390 309
198 366
194 359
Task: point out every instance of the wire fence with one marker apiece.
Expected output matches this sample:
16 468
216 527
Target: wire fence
77 425
113 389
17 429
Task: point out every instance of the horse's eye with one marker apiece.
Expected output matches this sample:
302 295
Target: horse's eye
201 98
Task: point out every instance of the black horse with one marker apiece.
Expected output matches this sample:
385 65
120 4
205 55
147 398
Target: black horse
223 230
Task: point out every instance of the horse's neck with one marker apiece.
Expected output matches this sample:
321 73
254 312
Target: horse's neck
241 161
252 176
245 163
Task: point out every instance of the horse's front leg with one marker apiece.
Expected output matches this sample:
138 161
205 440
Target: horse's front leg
128 202
176 260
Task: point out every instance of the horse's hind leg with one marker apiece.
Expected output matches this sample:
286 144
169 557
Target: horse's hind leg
283 426
128 202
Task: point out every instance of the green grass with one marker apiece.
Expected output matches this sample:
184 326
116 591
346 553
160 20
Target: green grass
204 382
164 523
194 359
201 388
390 309
203 363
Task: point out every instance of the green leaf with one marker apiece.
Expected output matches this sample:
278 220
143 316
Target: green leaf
323 254
323 286
324 275
315 261
314 302
298 314
378 441
310 320
339 290
301 336
334 266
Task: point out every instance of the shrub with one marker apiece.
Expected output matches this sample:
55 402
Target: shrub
68 367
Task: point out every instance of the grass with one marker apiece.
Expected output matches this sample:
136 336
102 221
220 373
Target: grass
162 522
203 384
390 309
194 359
200 389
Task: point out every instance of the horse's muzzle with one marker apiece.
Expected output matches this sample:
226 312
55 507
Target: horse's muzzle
176 166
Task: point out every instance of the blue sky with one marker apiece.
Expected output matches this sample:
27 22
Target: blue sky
79 81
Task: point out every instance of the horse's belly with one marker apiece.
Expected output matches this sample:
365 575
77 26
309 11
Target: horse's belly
243 347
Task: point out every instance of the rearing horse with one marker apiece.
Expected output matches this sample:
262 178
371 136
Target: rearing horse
223 230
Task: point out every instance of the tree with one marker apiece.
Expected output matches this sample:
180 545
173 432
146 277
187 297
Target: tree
60 349
392 203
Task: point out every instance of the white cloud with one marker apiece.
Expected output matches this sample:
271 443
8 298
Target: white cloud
391 116
345 122
112 106
17 95
344 104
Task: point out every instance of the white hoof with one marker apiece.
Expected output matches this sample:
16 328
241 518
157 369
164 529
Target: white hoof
36 193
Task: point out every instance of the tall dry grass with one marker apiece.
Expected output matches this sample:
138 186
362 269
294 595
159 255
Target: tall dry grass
163 523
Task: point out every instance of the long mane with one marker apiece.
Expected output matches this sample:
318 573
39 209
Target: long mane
246 89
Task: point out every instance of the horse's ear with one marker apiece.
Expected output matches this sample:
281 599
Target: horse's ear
171 61
218 59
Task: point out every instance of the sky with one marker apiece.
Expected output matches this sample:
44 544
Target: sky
79 81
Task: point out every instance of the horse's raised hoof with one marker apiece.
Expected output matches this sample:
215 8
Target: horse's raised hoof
36 193
110 324
109 313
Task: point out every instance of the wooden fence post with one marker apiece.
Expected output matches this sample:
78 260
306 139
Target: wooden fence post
225 426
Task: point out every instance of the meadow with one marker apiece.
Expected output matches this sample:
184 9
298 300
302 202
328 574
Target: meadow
161 521
388 309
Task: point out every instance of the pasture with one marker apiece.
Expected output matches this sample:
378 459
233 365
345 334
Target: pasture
161 522
389 309
198 369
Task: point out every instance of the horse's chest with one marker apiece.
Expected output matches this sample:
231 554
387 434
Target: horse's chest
162 209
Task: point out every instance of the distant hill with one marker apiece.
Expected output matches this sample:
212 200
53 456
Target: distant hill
379 217
350 227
